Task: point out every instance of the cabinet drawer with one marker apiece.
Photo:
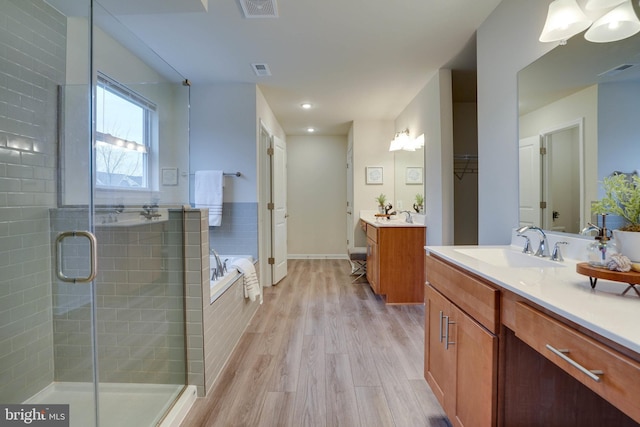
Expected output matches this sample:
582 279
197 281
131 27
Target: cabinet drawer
474 297
605 371
372 233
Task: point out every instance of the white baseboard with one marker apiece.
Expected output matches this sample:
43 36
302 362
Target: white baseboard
317 256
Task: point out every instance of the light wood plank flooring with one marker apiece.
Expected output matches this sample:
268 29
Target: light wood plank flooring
323 351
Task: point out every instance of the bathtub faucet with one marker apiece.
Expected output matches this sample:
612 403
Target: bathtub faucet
150 211
220 268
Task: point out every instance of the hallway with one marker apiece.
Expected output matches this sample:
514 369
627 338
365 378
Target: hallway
323 351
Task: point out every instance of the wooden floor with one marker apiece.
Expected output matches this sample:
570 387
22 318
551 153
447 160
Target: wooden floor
323 351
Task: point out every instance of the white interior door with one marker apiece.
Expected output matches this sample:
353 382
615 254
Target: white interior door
350 212
279 213
530 191
562 181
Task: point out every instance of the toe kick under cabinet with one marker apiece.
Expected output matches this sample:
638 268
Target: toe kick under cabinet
494 358
395 266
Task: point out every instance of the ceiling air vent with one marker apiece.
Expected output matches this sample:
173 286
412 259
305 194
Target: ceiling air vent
616 70
259 8
261 70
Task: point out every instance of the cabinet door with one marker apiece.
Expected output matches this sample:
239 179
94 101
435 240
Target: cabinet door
476 373
373 266
439 362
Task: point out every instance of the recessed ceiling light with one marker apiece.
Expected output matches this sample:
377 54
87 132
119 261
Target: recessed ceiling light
310 130
306 105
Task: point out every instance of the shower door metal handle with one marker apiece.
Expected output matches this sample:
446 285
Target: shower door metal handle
92 254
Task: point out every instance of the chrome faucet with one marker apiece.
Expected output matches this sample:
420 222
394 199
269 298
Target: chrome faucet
543 249
557 255
409 218
589 229
527 244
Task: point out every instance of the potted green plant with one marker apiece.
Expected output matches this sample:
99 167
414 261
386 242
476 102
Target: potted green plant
622 198
381 199
418 206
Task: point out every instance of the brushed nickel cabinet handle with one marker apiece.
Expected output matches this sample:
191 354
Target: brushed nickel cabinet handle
447 343
561 353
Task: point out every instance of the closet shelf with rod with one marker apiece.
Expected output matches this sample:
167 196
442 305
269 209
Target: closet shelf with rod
464 164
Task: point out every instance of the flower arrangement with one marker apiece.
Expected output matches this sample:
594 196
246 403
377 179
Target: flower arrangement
381 199
622 198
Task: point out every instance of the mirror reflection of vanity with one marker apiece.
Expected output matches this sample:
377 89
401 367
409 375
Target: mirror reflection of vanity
409 178
580 104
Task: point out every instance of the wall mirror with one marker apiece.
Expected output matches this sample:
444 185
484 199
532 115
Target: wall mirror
578 122
409 178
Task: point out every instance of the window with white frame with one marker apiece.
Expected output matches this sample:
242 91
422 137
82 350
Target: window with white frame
124 123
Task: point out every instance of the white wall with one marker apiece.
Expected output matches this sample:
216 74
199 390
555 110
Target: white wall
223 136
317 194
370 148
506 42
618 128
430 112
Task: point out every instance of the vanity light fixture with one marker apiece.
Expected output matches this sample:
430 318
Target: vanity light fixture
565 19
602 4
306 105
618 24
416 143
400 140
311 130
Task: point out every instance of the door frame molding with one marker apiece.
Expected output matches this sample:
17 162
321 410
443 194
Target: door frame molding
265 236
544 134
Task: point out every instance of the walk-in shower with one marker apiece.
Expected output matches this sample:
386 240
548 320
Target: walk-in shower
93 145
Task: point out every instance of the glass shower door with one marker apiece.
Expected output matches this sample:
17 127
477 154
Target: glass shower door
140 179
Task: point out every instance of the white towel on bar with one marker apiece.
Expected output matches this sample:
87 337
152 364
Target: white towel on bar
208 194
252 288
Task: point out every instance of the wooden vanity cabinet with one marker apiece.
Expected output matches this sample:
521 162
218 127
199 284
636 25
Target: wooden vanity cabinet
373 262
461 354
488 359
395 267
603 370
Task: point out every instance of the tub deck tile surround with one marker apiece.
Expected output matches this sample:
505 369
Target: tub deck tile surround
213 330
322 350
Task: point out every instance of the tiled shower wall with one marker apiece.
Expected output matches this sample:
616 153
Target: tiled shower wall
213 330
139 299
238 233
32 65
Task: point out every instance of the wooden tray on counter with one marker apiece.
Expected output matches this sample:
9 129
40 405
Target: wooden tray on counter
632 278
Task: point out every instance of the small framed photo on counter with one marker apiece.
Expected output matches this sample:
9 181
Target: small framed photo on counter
373 175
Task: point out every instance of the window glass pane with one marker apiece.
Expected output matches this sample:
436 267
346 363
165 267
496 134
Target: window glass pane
122 137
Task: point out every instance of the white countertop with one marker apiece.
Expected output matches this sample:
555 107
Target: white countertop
563 291
398 220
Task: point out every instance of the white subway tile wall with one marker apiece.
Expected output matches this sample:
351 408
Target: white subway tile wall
238 233
213 330
32 65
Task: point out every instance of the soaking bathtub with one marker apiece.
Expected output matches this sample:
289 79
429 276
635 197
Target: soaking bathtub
221 284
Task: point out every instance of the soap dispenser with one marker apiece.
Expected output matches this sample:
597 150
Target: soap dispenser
601 249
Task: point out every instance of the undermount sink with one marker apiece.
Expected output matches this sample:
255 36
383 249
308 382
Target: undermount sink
503 257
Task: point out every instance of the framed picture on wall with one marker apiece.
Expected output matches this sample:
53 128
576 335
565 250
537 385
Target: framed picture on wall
413 175
373 174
